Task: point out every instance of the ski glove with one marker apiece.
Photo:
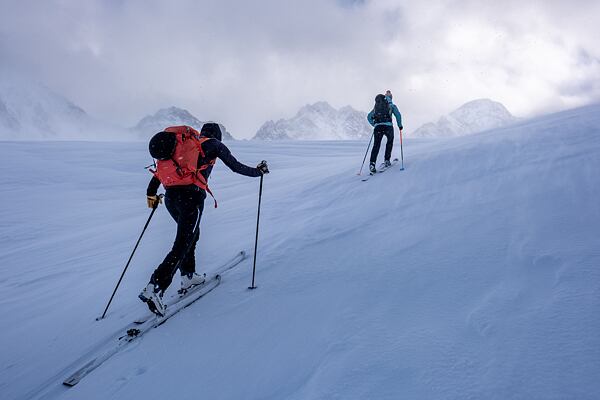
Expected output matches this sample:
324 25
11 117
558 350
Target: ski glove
153 201
263 167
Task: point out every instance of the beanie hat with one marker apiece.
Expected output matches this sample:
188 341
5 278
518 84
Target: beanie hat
211 130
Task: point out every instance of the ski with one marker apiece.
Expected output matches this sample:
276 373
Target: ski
175 299
140 326
381 170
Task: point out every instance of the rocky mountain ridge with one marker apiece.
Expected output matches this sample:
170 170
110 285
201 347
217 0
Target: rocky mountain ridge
472 117
171 116
318 121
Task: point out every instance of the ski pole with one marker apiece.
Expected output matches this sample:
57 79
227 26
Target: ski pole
401 152
256 240
366 152
128 261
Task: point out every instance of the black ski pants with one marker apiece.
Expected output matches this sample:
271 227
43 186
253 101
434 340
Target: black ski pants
379 132
185 205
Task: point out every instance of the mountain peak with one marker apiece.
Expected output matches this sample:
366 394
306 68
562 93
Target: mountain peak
472 117
318 107
174 111
318 121
480 102
172 116
481 105
32 110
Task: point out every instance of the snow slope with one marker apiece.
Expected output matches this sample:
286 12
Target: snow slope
472 117
474 273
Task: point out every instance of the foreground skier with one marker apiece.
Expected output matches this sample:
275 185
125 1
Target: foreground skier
381 119
184 162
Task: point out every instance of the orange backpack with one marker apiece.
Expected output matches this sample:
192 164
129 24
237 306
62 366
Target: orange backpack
182 168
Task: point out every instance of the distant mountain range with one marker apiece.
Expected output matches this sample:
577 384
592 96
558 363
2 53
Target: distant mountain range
318 121
472 117
30 110
171 116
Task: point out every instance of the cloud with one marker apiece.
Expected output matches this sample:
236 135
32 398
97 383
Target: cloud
242 63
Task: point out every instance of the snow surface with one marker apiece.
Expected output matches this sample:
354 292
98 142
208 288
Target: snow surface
472 117
318 121
472 274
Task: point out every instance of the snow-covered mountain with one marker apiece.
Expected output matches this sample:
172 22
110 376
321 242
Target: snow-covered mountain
171 116
318 121
472 117
30 110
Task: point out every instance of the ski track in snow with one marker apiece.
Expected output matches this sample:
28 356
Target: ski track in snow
471 274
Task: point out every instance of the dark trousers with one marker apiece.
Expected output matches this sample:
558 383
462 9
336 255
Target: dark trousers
379 132
185 206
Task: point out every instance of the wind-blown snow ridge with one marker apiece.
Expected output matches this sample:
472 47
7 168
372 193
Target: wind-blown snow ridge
473 273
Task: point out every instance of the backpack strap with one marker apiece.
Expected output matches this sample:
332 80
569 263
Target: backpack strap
210 163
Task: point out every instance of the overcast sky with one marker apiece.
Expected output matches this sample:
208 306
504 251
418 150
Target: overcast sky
244 62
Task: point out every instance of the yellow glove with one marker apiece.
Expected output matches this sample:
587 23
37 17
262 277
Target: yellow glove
153 201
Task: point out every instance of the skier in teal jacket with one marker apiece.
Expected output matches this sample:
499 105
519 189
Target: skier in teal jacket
381 119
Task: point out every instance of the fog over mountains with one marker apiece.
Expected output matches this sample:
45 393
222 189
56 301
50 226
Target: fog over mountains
318 121
171 116
32 111
472 117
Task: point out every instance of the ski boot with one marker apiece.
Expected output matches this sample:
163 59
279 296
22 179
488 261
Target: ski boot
152 296
188 281
372 168
387 164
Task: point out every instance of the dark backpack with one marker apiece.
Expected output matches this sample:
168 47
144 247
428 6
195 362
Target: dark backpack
382 111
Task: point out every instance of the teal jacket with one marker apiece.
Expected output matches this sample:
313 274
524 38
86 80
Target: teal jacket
394 111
